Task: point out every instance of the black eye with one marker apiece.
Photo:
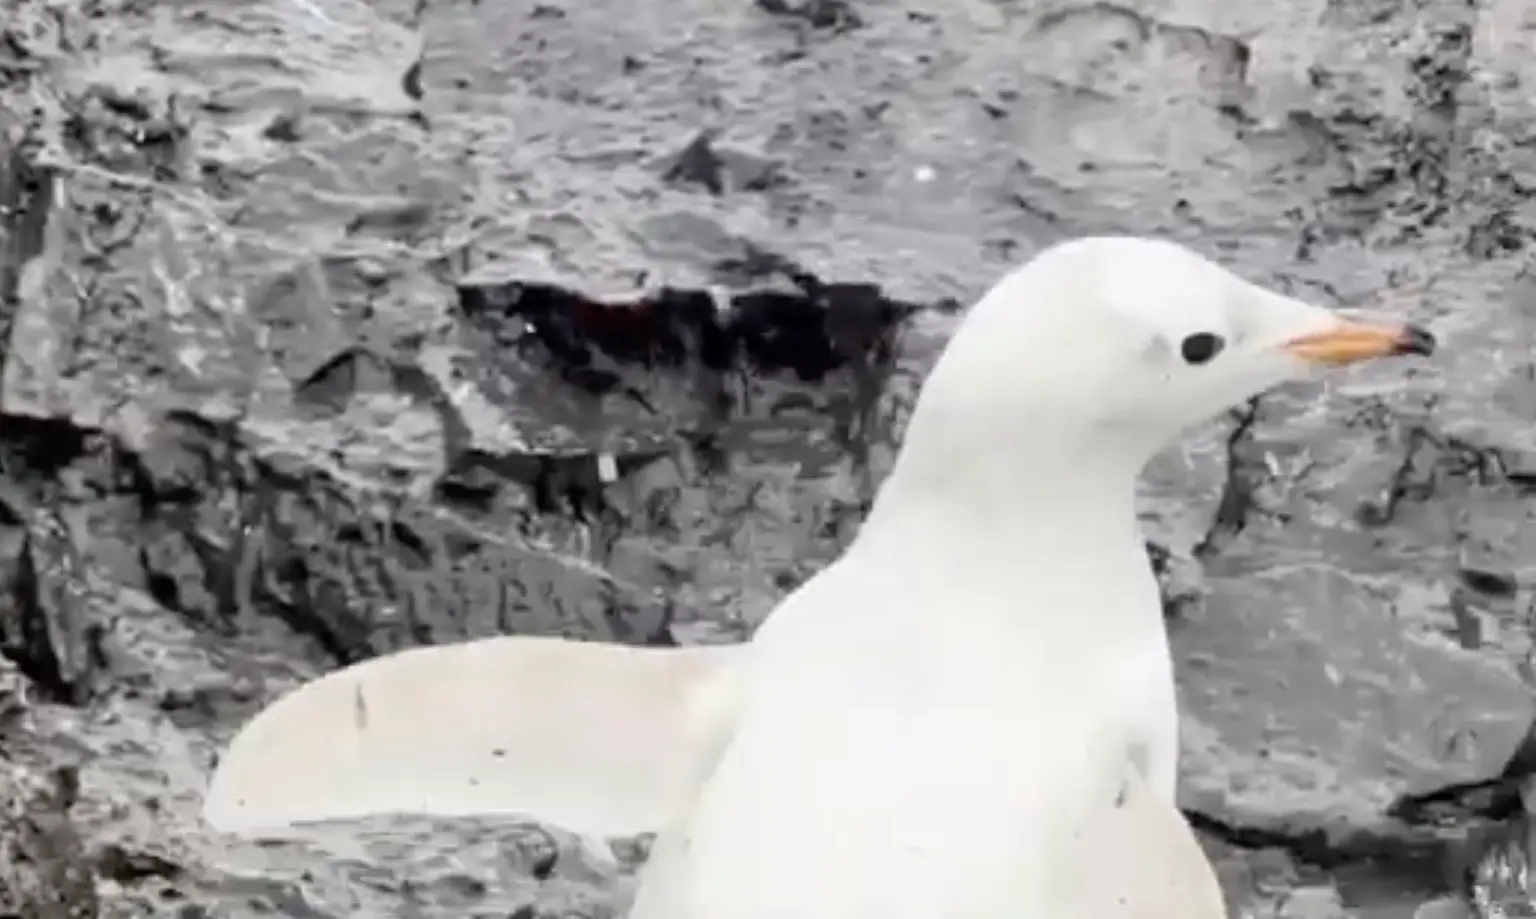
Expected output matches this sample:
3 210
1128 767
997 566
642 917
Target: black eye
1201 347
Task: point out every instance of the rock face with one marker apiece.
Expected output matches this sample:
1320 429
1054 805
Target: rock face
333 328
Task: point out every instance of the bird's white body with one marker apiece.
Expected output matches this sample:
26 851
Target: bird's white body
944 701
969 715
881 759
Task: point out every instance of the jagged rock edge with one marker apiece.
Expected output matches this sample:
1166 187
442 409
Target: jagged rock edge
1415 852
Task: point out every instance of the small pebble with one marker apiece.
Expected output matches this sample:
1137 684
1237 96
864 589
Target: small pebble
607 468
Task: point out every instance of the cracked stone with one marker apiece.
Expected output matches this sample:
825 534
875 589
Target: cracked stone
331 329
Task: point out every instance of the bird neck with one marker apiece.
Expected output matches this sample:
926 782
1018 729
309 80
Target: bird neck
1082 515
1036 481
1045 531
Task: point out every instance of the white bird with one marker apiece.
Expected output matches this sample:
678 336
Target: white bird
969 714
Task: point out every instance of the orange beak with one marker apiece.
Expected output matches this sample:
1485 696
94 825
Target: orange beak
1350 341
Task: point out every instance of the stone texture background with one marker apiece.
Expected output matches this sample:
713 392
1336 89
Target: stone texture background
322 321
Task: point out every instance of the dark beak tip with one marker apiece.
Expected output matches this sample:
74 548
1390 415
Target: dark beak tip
1416 340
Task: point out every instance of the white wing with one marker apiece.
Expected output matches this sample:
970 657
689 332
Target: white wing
600 739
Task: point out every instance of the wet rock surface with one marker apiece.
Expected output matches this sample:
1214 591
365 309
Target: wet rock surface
335 328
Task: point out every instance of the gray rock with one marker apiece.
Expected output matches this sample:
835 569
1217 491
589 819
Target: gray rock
1444 908
336 328
1311 903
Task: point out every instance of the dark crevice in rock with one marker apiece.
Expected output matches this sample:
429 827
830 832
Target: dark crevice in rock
806 333
1407 854
34 450
811 332
44 628
571 326
1499 798
815 332
1501 584
410 81
1431 457
1495 799
832 15
131 866
36 636
1245 473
